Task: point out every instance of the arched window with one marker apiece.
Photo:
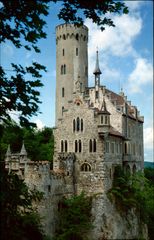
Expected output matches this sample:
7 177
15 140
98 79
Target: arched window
64 37
65 145
77 52
90 145
81 125
63 92
94 145
80 146
77 36
64 69
62 146
76 145
85 167
73 125
77 124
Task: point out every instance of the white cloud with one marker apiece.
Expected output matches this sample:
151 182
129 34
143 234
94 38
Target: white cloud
141 75
39 124
133 5
148 138
115 40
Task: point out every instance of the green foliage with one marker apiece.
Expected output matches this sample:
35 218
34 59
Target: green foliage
134 191
74 213
74 11
149 174
22 24
39 143
19 221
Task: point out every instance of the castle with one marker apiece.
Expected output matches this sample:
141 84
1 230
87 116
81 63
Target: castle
100 128
96 130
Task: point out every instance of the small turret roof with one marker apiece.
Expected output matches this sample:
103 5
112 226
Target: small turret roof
97 69
103 108
23 149
8 152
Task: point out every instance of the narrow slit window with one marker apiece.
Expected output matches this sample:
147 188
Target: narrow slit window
63 92
77 51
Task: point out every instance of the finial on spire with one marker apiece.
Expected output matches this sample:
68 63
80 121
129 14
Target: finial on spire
97 70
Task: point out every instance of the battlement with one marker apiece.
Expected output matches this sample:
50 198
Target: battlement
70 31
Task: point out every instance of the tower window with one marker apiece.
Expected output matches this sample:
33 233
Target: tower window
63 92
74 125
62 146
62 110
64 69
81 125
94 145
64 37
77 36
80 146
90 145
76 145
65 145
78 124
77 52
63 51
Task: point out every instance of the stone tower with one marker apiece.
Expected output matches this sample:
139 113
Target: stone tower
71 64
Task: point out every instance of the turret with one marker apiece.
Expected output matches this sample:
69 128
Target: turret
71 64
104 120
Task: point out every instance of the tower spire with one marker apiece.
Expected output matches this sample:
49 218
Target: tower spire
97 70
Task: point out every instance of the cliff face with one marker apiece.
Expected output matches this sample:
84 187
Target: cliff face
108 222
111 224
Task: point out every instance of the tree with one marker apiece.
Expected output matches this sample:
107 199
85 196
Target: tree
134 191
38 143
74 214
22 23
19 220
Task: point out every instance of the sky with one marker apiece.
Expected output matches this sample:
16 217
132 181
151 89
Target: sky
126 61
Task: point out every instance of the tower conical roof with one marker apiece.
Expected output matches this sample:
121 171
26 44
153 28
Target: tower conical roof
23 150
97 69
